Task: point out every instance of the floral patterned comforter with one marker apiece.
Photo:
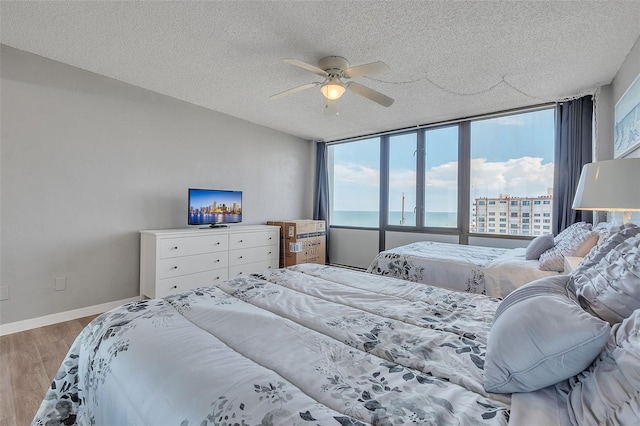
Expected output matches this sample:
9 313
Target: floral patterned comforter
306 345
472 269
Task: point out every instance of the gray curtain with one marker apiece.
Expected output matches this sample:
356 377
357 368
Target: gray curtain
321 204
573 139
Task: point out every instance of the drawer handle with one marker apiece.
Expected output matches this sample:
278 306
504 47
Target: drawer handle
240 257
174 248
175 267
217 260
269 253
217 278
218 243
175 286
240 241
270 238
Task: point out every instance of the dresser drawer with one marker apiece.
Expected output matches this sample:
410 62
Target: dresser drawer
252 268
182 283
191 264
186 246
250 255
253 239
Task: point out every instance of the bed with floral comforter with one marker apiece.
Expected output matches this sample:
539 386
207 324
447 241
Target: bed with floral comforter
306 345
473 269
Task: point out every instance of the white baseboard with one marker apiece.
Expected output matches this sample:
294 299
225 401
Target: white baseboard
15 327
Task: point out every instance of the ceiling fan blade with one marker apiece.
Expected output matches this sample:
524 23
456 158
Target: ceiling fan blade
307 67
294 90
360 70
369 93
331 108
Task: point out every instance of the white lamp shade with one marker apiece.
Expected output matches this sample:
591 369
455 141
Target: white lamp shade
611 185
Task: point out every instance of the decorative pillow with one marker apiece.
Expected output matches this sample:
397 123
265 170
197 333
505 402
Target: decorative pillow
611 289
538 245
607 392
571 229
616 236
540 336
576 243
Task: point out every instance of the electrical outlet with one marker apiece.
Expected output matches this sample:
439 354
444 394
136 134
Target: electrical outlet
60 284
4 293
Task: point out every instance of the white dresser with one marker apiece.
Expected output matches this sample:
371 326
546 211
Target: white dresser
176 260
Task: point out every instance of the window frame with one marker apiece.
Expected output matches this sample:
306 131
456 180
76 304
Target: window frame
464 173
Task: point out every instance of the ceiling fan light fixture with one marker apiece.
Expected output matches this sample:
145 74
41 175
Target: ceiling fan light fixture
332 89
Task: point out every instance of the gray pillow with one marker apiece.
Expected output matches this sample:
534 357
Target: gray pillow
607 392
611 289
540 336
617 236
538 245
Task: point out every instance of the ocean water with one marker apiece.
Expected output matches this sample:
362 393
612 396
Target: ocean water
371 219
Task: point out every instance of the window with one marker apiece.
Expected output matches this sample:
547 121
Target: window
512 156
402 179
354 180
441 177
508 163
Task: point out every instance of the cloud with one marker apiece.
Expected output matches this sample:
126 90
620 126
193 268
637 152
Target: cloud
519 177
358 174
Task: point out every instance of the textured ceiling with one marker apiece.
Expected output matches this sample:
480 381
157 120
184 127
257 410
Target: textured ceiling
448 59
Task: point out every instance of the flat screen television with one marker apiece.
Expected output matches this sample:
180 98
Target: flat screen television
214 207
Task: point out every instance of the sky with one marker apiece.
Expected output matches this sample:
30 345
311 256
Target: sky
208 197
509 155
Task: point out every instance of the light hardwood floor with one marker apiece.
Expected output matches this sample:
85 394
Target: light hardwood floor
28 362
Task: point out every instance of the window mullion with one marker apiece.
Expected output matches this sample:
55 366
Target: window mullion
420 176
464 180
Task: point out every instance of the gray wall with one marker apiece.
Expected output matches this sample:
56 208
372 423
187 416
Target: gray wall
626 75
87 161
607 99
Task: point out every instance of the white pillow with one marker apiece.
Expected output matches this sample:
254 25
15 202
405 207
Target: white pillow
571 229
578 242
607 392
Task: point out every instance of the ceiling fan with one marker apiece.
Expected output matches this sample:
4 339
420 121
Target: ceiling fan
334 69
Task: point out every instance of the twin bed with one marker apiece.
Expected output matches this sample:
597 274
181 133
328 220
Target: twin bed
473 269
304 345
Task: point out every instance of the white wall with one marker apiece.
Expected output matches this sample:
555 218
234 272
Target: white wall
87 161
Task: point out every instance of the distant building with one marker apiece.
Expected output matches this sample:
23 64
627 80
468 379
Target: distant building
512 215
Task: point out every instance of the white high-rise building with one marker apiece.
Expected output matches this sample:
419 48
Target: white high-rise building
512 215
